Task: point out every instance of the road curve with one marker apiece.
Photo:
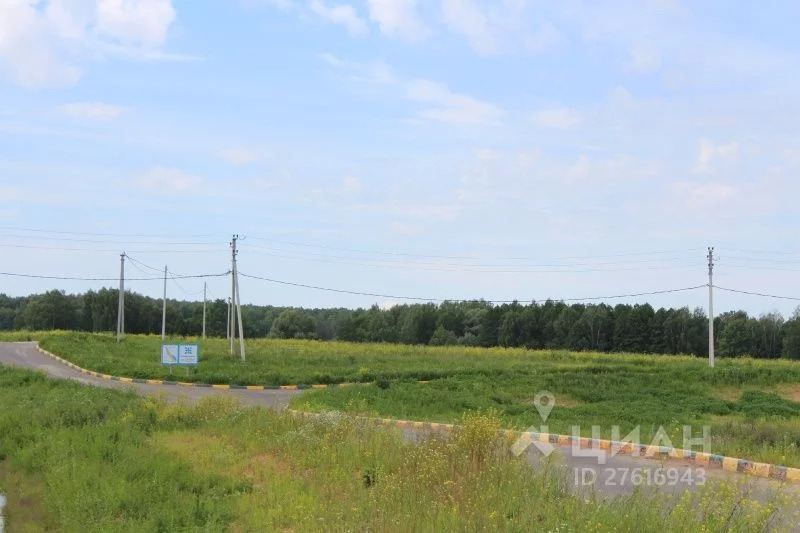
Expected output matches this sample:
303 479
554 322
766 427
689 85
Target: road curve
617 476
25 355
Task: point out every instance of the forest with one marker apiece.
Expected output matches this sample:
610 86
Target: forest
550 324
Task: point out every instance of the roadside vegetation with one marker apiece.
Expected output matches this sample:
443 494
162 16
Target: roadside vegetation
752 406
76 458
638 328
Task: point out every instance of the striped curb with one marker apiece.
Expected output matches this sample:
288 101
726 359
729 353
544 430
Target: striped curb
658 453
221 386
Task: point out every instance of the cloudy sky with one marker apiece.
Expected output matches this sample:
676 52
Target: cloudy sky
438 149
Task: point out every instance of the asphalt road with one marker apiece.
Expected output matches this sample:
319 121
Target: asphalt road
25 355
617 476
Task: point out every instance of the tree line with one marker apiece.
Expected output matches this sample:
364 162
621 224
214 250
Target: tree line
550 324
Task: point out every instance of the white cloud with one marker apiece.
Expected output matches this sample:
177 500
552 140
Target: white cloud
375 72
264 184
167 180
341 15
428 212
400 228
697 195
135 22
558 118
644 58
468 19
351 184
284 5
239 155
449 106
497 28
46 43
445 105
711 153
92 110
397 18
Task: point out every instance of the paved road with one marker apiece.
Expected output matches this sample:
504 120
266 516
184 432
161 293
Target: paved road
25 355
619 476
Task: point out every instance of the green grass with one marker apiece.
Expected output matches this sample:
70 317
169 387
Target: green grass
625 390
76 458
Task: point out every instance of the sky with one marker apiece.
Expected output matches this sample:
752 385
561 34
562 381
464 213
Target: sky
445 149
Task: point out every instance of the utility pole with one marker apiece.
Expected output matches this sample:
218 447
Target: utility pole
205 286
232 316
238 302
711 306
164 309
121 299
228 321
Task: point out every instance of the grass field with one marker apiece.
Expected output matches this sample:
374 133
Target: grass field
87 459
751 405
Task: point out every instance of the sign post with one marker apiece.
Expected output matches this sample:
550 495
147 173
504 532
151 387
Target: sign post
180 355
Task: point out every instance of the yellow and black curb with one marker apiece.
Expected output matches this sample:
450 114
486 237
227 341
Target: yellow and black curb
658 453
223 386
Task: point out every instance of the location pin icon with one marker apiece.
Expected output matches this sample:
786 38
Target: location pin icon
544 403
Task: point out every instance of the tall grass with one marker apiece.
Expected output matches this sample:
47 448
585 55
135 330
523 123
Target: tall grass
625 390
85 459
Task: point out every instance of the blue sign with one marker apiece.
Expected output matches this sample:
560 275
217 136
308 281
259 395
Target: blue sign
180 354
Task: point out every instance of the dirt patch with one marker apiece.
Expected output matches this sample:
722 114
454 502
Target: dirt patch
787 391
23 510
219 454
730 394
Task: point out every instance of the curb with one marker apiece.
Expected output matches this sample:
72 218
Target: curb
660 453
657 453
222 386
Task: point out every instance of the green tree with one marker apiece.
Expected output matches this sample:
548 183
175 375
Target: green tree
293 324
443 337
735 334
791 339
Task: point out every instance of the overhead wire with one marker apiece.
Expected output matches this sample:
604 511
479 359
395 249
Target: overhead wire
418 298
465 268
752 293
493 265
171 275
434 256
78 278
70 249
62 232
103 241
136 261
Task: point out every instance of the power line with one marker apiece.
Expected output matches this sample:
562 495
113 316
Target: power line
459 265
410 254
134 265
758 267
59 248
75 278
776 252
103 241
465 268
136 261
751 293
188 293
61 232
417 298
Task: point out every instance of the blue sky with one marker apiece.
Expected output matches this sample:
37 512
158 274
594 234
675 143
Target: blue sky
442 149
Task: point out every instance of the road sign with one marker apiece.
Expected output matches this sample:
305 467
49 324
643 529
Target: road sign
169 354
180 354
188 354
